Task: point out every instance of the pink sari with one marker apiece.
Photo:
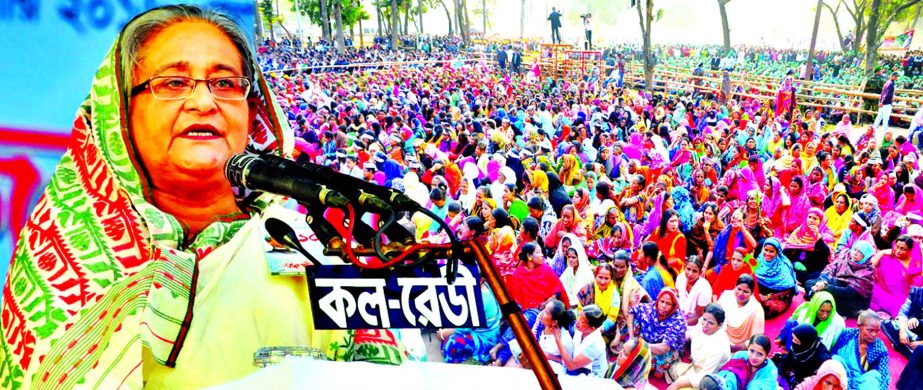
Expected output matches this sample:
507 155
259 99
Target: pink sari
893 281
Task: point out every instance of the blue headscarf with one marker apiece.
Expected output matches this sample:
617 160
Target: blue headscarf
682 203
867 250
776 274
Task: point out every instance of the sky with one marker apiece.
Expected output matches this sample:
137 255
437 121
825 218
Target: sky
781 23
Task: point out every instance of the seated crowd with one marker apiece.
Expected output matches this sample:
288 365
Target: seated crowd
646 236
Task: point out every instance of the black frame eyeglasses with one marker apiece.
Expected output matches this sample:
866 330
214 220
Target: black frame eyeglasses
233 88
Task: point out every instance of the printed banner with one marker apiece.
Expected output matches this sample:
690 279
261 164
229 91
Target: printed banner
343 297
897 43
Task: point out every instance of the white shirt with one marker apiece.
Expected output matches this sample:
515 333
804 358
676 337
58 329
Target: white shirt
699 295
593 347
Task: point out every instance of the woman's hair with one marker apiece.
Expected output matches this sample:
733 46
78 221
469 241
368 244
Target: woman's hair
746 279
743 251
604 266
527 250
560 315
716 311
761 340
502 218
695 259
667 214
594 316
906 239
145 26
437 194
530 225
476 224
710 205
650 249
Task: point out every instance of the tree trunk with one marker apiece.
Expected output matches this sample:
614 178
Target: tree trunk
406 17
395 25
324 27
467 35
378 19
809 71
484 18
836 23
448 16
338 18
916 18
420 16
725 29
646 20
871 37
258 21
522 19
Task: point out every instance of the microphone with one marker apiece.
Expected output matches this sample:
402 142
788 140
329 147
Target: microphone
371 196
252 172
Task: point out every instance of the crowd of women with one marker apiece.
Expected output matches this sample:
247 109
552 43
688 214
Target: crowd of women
645 235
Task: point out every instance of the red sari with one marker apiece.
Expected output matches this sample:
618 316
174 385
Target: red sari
673 248
532 287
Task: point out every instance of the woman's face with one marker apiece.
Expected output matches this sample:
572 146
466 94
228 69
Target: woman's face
611 218
486 211
769 252
709 324
830 382
840 204
603 278
813 221
709 215
187 140
665 305
572 258
462 231
824 311
835 152
856 255
567 217
756 355
794 187
692 272
816 176
673 224
751 144
565 244
699 177
743 293
537 257
624 353
901 251
867 206
737 260
752 204
620 268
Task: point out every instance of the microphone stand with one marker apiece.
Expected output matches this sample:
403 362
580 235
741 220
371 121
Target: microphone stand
510 309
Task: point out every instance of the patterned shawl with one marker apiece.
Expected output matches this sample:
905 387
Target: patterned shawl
636 368
99 271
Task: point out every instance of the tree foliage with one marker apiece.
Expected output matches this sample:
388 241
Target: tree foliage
352 11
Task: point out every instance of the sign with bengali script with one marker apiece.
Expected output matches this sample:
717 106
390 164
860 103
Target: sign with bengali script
342 297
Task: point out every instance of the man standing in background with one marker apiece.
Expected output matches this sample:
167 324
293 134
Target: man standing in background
885 103
588 45
555 19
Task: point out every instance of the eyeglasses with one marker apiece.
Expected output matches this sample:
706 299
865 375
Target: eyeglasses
179 88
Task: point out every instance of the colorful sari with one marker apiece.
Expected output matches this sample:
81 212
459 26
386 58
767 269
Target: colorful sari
532 287
741 322
837 222
468 343
100 274
634 372
670 330
828 330
735 374
865 372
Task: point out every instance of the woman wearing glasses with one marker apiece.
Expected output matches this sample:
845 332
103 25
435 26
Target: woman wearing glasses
139 232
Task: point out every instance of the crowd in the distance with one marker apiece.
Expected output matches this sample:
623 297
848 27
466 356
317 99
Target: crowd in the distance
645 235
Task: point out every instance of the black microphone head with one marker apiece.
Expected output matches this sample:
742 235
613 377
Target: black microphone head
283 233
236 166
